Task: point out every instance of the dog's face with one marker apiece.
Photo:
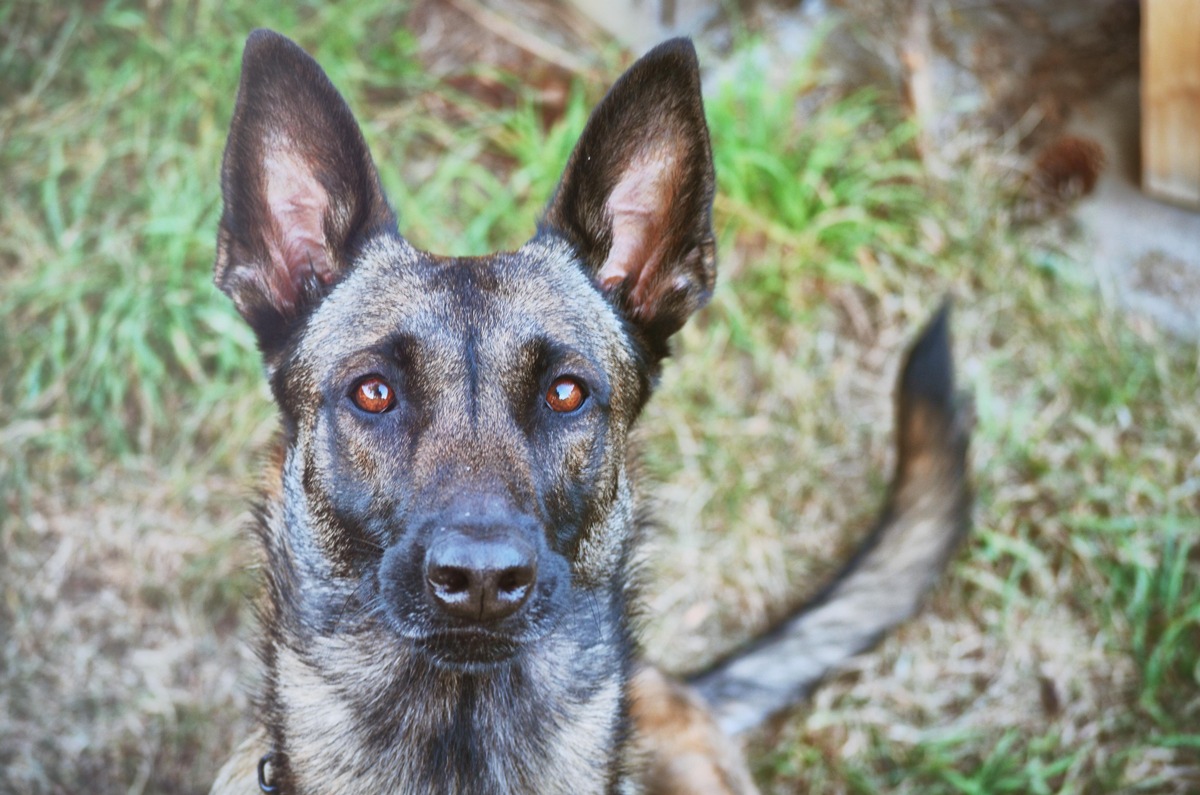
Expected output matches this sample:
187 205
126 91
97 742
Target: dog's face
456 427
458 421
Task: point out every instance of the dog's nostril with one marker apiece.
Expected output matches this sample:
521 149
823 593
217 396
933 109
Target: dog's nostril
449 580
516 580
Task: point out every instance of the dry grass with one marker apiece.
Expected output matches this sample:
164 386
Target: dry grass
125 666
1062 654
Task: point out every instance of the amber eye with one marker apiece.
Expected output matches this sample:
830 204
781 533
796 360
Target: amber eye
565 395
373 394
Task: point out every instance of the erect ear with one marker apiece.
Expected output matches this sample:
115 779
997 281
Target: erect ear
300 189
636 196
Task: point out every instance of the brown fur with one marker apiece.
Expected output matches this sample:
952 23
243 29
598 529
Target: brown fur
684 751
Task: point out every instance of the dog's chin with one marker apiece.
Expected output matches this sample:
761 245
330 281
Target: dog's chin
469 651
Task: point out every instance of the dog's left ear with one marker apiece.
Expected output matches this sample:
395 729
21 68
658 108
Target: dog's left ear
636 196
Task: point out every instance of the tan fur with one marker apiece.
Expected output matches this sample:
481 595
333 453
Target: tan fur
680 749
239 775
683 750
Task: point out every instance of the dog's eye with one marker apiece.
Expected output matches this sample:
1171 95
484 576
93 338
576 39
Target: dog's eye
372 394
565 395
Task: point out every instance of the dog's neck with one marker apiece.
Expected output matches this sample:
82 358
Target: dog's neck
351 707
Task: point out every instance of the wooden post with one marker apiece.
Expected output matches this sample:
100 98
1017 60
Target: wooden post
1171 100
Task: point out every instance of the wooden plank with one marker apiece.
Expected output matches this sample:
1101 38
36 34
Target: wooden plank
1171 100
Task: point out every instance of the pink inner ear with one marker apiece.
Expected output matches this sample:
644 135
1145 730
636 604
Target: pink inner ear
297 204
638 206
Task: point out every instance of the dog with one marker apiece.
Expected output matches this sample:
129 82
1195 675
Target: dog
450 522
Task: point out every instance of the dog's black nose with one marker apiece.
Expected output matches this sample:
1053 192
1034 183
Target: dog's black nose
480 579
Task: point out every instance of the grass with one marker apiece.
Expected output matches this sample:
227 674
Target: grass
1062 654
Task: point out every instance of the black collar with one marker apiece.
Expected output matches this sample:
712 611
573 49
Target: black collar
267 761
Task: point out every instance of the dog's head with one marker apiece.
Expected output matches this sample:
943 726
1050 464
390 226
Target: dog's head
456 427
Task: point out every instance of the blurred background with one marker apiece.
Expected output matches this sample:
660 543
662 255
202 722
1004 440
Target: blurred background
1037 160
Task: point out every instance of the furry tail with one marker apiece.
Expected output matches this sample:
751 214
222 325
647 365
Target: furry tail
926 513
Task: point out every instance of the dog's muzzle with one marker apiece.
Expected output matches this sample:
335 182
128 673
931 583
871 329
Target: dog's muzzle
474 587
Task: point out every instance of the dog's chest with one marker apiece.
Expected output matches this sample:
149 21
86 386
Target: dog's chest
542 731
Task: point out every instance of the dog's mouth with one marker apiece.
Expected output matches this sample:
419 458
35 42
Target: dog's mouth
469 648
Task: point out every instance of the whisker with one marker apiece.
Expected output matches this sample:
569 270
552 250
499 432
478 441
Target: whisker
595 613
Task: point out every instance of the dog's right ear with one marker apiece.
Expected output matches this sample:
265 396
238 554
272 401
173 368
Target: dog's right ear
301 191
